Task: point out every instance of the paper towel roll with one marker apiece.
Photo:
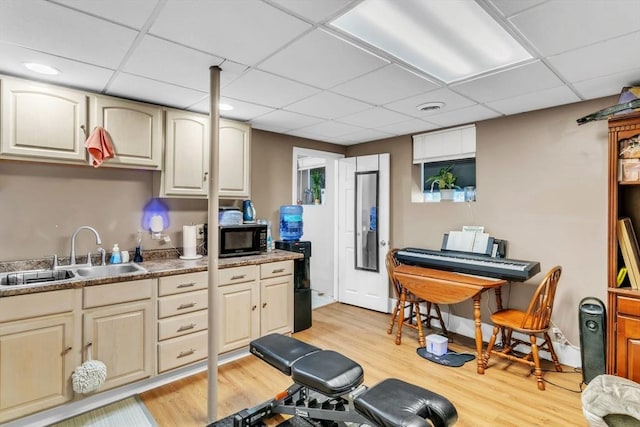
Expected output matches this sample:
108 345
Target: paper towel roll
189 240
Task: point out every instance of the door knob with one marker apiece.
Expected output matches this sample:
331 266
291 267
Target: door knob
383 243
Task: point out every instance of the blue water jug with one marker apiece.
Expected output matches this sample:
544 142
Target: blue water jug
291 222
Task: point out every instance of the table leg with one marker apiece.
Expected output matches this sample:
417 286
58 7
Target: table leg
478 321
498 292
403 301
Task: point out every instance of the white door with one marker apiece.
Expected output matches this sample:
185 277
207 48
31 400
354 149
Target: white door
363 233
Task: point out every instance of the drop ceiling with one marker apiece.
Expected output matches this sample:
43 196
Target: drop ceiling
285 69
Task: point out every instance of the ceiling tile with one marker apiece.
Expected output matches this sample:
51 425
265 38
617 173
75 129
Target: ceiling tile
535 100
607 85
131 13
361 135
611 55
329 129
378 115
407 127
509 83
558 26
328 106
134 87
471 114
285 120
267 89
72 73
314 10
64 32
322 60
228 28
510 7
451 99
391 82
172 63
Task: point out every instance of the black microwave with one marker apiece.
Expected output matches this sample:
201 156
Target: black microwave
245 239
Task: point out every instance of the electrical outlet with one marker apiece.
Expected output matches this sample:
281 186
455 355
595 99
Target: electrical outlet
199 231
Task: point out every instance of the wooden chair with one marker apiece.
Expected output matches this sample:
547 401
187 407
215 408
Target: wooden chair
415 318
534 321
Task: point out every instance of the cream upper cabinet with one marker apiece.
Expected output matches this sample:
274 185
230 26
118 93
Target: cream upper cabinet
41 122
135 129
186 168
235 159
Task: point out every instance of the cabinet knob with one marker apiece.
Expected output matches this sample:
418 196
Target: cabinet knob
186 285
204 178
186 353
186 327
66 350
278 270
238 277
264 304
188 305
254 308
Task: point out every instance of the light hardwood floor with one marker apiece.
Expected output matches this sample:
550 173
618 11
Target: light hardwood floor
506 395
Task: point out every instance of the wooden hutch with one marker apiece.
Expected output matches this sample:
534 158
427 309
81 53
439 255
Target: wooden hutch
623 314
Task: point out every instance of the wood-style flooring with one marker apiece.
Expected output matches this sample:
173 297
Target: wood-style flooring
506 395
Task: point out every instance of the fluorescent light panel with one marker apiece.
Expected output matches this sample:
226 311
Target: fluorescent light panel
448 39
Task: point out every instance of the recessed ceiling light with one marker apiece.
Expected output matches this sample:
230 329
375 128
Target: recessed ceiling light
450 40
430 106
225 107
41 68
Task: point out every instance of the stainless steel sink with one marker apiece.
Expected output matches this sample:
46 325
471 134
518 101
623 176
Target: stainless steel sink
109 270
30 277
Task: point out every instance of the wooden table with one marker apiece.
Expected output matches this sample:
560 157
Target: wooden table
446 287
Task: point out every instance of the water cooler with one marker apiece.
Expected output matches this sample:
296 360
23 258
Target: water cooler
301 282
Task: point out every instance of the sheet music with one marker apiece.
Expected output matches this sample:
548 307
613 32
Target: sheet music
460 241
480 243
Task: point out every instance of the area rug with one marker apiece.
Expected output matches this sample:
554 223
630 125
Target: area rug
450 358
128 412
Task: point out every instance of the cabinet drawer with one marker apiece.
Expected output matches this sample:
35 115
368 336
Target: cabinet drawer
228 276
34 305
116 293
275 269
182 351
181 325
630 306
183 283
173 305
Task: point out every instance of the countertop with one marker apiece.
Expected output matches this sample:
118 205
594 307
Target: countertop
154 268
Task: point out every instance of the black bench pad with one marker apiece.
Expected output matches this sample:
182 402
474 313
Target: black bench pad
393 403
327 372
280 351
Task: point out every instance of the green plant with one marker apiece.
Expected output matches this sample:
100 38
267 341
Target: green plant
316 183
445 179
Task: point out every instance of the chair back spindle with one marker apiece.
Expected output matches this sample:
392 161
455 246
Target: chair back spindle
538 315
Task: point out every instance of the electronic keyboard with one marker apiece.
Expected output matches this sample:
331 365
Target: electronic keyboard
462 262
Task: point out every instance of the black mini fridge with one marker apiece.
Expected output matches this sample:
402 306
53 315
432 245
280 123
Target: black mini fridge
301 282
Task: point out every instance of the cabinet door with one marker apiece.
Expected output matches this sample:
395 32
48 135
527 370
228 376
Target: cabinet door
237 315
235 140
41 122
276 305
628 348
36 363
121 336
135 130
186 167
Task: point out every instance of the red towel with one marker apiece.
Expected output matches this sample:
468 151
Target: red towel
99 146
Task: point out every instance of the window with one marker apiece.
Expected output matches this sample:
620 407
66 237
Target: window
311 185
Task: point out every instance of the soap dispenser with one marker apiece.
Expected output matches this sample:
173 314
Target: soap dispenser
115 255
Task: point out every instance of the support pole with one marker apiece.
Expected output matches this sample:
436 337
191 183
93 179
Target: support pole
212 242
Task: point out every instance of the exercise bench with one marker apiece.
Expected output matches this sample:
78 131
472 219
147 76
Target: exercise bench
328 391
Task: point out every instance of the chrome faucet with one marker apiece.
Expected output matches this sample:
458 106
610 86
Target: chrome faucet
73 241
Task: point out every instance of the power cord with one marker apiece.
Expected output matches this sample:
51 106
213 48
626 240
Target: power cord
575 371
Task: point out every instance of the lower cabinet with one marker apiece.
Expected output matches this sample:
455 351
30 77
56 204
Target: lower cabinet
627 338
253 301
119 332
182 320
37 354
